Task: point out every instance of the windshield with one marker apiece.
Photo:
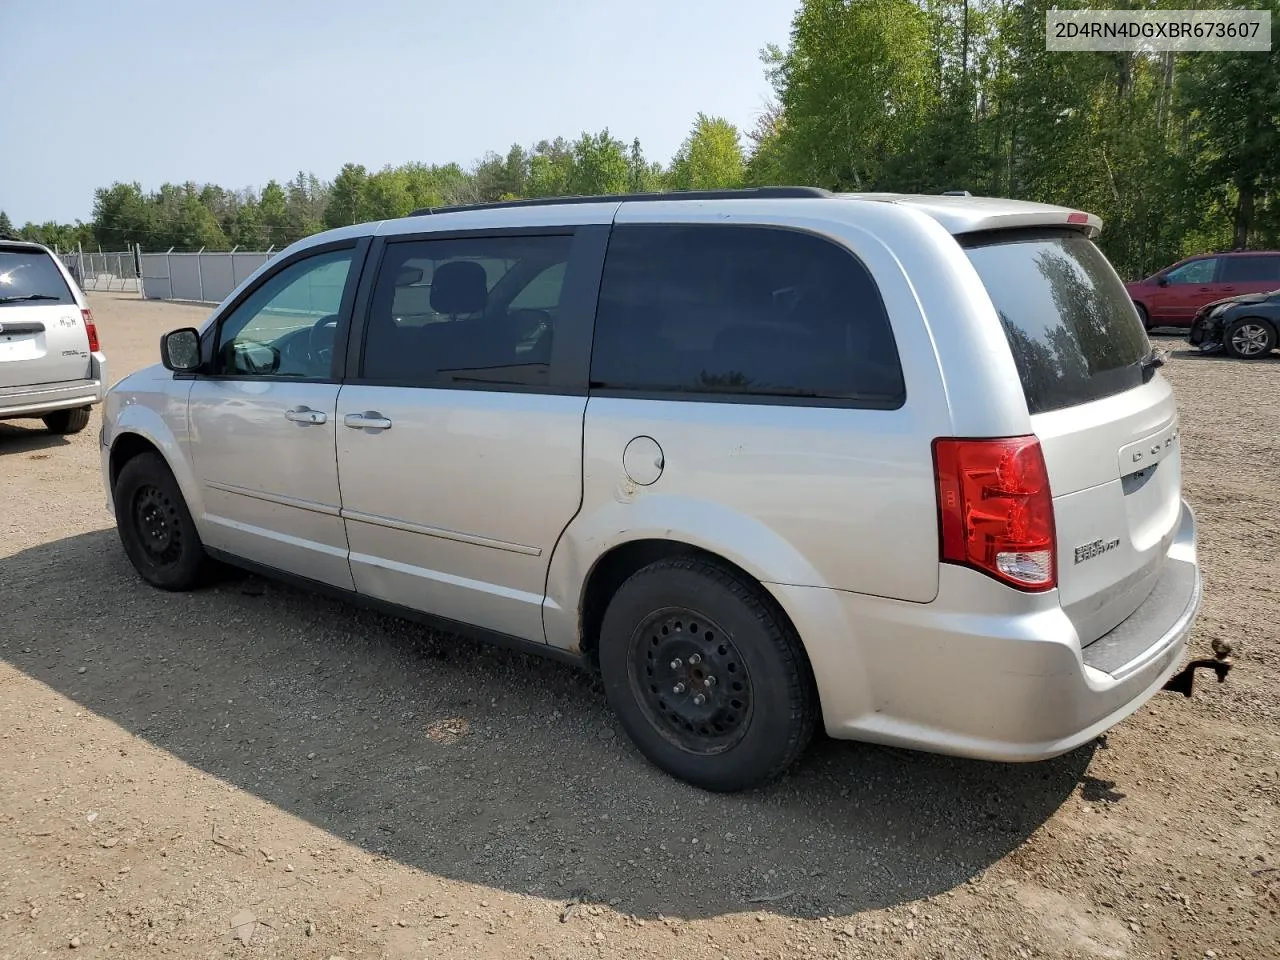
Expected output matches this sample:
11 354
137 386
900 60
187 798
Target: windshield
30 276
1071 327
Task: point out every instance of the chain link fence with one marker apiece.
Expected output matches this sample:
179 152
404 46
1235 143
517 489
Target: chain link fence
112 270
203 277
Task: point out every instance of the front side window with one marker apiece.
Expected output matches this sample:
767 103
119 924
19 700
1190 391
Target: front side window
744 311
466 311
1197 271
286 327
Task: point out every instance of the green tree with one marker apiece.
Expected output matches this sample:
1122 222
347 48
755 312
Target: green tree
122 215
6 225
1234 119
344 205
855 83
709 158
273 209
386 195
599 165
642 176
550 167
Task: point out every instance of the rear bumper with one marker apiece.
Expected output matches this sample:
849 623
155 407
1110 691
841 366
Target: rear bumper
1007 687
41 398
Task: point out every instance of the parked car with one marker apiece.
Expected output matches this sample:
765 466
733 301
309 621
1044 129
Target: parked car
1244 326
51 363
904 466
1172 297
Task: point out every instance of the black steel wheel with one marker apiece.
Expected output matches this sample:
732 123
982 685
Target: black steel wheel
155 527
156 518
706 674
691 680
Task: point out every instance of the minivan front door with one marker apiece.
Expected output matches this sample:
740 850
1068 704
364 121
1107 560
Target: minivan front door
262 423
460 440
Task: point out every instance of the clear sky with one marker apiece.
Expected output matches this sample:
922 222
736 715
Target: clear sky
236 92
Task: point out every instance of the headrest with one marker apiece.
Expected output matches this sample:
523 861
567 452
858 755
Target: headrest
459 286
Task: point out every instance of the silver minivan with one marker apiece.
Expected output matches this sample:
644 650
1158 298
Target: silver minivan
51 364
902 465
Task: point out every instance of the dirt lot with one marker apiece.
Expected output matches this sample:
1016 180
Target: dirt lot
253 772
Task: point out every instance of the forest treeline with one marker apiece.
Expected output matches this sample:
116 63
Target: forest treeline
1178 153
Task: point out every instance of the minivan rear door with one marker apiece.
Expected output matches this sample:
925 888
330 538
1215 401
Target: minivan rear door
1105 418
42 332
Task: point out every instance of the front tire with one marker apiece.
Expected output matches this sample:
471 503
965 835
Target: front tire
706 676
1249 339
155 525
67 421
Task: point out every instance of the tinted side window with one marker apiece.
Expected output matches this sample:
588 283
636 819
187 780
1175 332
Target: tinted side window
1197 271
741 310
1250 269
286 327
466 311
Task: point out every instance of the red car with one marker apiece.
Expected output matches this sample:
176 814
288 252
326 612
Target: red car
1172 297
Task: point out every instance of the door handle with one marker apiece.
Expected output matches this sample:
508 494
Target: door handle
1228 289
305 415
369 420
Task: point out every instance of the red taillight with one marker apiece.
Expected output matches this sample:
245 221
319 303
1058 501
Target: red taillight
91 329
1077 218
995 509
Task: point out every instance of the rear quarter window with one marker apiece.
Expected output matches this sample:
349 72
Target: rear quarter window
758 313
1071 327
31 276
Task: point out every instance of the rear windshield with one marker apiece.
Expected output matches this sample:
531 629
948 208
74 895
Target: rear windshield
1072 328
30 276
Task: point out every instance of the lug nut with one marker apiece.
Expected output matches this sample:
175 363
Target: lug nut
678 688
699 700
710 681
677 663
695 658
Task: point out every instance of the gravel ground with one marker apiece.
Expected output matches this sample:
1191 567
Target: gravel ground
249 771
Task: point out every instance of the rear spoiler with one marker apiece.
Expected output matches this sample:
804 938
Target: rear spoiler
960 212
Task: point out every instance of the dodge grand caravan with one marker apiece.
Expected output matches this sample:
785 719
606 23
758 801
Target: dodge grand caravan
51 365
905 466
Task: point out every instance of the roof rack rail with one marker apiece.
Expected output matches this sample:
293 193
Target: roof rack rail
749 193
956 193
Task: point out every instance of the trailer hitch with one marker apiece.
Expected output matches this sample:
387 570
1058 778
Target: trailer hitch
1221 664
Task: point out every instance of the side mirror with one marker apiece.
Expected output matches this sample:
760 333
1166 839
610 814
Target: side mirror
1162 281
180 350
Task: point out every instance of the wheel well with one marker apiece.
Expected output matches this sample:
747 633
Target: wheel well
126 447
616 566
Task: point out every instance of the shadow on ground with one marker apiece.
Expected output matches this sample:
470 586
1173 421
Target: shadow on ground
492 767
27 436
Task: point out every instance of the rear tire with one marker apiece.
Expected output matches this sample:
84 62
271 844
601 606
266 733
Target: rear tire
706 676
67 421
1249 339
1143 316
155 525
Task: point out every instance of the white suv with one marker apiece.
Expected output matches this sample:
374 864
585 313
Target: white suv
902 465
51 365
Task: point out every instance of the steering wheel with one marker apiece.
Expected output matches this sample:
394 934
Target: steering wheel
320 353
